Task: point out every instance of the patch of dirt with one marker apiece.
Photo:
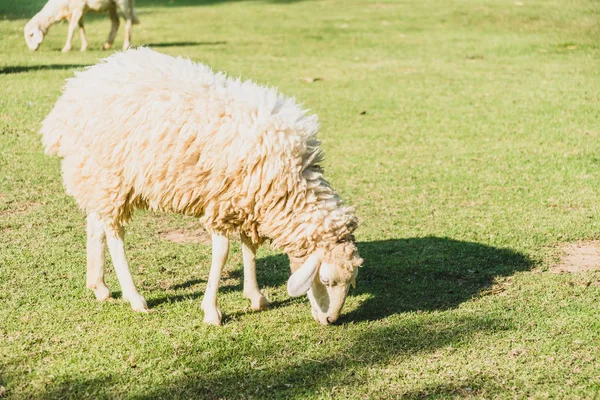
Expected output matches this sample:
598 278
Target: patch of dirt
181 235
20 208
579 257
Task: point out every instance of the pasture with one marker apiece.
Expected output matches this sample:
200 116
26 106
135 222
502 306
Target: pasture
466 134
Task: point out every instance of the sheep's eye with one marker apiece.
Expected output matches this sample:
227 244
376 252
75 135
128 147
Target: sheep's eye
325 281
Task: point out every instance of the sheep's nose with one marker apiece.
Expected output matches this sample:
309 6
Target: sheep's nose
327 320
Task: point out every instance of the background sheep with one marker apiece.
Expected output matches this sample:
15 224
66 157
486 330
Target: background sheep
74 10
146 130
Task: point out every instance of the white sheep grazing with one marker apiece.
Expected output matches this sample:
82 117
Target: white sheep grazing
146 130
74 10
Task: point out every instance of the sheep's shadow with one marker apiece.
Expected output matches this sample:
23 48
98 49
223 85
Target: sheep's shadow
13 10
189 3
185 44
398 275
271 271
416 274
429 273
190 284
17 69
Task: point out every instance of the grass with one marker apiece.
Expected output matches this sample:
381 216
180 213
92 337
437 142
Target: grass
467 135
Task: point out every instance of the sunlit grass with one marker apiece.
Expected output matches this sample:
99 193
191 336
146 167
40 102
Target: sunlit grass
466 134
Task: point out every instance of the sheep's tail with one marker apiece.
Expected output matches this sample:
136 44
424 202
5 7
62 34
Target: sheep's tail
52 135
51 141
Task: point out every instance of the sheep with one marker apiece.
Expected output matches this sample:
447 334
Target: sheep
74 10
145 130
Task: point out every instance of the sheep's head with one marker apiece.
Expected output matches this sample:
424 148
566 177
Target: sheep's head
326 277
33 35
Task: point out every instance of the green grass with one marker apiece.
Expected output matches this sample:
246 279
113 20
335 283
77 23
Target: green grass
466 133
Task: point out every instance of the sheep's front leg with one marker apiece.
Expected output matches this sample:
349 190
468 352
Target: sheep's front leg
84 43
251 290
116 247
128 26
114 27
73 22
220 251
96 242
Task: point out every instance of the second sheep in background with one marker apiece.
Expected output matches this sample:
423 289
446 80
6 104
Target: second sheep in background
74 11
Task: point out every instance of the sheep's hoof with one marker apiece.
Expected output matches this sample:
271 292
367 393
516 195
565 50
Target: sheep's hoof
257 300
83 48
259 303
126 46
138 304
66 49
212 315
106 46
102 292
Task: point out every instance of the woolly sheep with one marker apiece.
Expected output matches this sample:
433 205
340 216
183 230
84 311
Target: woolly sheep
74 10
146 130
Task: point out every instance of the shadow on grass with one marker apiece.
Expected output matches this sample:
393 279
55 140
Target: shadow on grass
175 298
13 10
399 275
270 271
184 44
28 68
426 274
192 3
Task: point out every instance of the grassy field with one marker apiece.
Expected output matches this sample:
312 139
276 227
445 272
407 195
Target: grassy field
466 133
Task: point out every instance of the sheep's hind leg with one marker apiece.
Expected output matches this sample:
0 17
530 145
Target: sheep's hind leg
251 290
116 247
220 251
96 242
114 27
84 43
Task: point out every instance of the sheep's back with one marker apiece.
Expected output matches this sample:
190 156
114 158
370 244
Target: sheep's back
156 131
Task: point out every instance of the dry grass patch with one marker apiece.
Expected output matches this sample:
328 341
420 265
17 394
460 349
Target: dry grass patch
579 257
20 208
181 235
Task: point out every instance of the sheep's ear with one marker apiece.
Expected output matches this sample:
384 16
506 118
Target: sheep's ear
300 281
353 282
